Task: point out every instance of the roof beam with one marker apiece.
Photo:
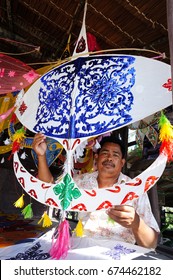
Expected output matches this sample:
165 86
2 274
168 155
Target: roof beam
9 15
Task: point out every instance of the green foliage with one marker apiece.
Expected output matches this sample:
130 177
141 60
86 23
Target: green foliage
168 219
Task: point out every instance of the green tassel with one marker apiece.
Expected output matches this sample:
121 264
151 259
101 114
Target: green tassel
27 212
111 221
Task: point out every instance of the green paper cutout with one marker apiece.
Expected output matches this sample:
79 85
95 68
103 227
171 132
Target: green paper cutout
66 191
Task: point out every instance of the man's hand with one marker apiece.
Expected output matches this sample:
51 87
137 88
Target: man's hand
39 144
125 215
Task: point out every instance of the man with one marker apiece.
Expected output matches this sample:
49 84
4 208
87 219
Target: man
132 222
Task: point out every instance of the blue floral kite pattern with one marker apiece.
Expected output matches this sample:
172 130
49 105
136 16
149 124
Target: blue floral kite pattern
86 97
119 250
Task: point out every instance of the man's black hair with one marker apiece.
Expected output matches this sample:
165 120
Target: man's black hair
115 140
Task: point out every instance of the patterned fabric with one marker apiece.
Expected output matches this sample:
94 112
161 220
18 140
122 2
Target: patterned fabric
98 224
81 249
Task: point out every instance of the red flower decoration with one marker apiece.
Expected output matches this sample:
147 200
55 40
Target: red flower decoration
33 193
80 207
129 196
168 85
22 108
50 201
116 190
138 182
104 205
91 193
22 181
149 182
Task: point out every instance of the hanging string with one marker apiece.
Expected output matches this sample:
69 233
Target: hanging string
117 26
41 15
22 53
20 43
146 18
55 63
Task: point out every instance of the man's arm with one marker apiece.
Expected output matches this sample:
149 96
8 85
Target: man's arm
39 146
127 217
144 235
44 173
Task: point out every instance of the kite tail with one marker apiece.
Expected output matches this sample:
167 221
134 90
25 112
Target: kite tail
166 137
61 244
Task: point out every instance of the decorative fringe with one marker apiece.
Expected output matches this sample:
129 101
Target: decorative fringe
61 245
166 137
17 139
27 212
20 202
166 129
46 220
13 118
79 229
19 135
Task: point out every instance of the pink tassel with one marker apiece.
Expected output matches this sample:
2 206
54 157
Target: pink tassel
61 245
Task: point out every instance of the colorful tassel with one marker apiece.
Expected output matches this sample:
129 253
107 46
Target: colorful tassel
166 129
27 212
17 139
20 202
61 245
46 220
19 136
79 229
13 118
166 137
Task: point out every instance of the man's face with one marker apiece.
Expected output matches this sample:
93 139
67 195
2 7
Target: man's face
109 160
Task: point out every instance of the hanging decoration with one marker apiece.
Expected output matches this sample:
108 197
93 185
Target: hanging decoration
27 211
61 244
15 75
144 128
79 229
45 220
20 202
18 138
166 136
66 195
82 44
86 97
80 100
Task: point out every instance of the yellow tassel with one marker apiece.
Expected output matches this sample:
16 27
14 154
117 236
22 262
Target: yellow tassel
20 202
46 220
79 229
